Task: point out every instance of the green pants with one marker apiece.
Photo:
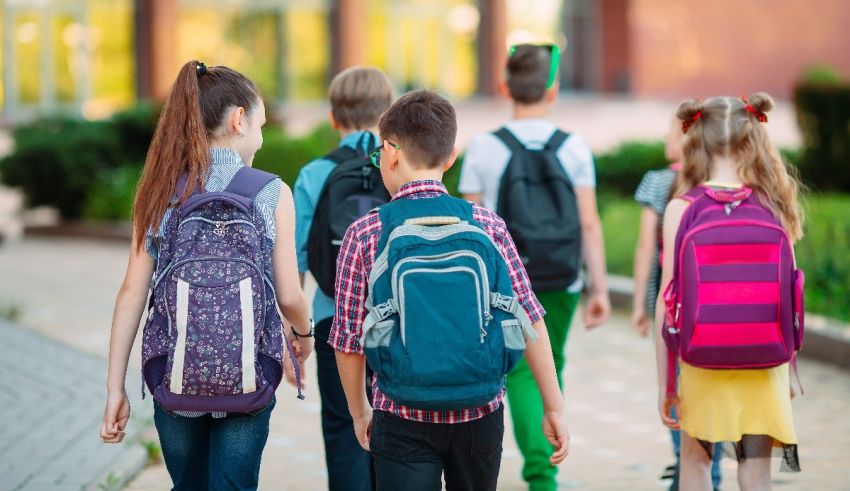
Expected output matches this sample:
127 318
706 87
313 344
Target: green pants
524 397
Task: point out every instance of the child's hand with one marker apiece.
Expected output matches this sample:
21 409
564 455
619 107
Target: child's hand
597 310
640 321
363 428
556 432
666 404
115 417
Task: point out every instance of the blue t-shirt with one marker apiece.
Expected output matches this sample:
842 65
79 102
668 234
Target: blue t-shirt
308 187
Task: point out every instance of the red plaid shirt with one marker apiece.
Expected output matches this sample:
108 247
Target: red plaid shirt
354 263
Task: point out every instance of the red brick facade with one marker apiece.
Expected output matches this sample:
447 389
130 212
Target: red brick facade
700 48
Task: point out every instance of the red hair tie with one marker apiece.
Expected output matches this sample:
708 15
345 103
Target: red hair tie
758 114
687 124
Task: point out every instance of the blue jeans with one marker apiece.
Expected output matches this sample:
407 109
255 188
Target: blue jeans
349 466
207 453
414 455
676 436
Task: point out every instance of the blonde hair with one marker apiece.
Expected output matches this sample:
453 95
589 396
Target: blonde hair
726 127
359 95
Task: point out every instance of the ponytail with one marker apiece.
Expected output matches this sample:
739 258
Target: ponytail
179 146
192 113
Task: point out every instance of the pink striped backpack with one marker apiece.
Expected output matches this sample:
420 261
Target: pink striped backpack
736 297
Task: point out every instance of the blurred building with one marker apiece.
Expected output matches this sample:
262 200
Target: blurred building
91 57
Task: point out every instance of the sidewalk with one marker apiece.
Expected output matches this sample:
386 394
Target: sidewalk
67 287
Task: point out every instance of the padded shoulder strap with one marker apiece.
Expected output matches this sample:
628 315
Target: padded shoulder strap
508 138
557 139
249 181
341 154
693 194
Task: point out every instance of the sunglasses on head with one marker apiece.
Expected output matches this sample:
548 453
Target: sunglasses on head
375 153
554 54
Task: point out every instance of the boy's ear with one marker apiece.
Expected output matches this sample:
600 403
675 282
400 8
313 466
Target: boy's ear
552 92
451 162
334 124
503 89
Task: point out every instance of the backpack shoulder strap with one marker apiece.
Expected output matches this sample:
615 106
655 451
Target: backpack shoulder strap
509 139
557 139
341 154
249 181
693 194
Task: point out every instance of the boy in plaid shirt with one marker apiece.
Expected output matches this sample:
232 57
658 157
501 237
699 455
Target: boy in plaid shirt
413 447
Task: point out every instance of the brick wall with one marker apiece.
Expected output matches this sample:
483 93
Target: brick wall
701 48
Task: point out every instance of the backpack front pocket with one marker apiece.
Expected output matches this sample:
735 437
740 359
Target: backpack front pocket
216 338
442 316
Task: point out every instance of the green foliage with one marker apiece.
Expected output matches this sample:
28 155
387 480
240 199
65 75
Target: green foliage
11 311
56 161
823 114
821 74
823 255
621 170
284 155
620 222
112 197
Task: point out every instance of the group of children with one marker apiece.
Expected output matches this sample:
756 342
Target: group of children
430 309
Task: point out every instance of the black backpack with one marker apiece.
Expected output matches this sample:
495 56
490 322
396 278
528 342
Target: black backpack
538 203
352 189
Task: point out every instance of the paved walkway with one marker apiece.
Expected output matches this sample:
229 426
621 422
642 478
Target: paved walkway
49 438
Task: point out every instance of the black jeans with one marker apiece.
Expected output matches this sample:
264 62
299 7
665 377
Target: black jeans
349 466
411 455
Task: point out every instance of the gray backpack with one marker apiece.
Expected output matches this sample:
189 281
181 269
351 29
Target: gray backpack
213 339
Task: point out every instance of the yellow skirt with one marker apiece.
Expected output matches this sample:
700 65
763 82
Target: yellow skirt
725 405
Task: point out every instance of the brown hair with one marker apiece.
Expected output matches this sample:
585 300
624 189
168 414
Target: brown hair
192 114
527 73
725 127
359 95
424 125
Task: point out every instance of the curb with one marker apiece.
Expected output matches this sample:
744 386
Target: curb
122 470
826 340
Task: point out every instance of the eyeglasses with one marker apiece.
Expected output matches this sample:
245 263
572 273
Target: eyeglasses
375 153
554 54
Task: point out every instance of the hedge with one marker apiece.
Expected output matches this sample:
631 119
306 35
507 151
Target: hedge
823 114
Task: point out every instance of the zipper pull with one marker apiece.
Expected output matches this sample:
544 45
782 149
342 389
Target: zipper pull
487 318
676 317
367 171
483 334
797 321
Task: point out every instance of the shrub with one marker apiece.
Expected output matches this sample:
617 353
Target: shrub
284 155
823 114
112 197
57 161
622 169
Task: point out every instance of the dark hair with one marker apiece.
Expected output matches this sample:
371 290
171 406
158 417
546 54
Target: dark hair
359 95
424 125
528 72
192 114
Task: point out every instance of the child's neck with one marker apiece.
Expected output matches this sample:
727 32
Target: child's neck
538 110
724 170
343 132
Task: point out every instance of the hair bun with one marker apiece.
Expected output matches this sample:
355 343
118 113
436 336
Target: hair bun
688 109
761 102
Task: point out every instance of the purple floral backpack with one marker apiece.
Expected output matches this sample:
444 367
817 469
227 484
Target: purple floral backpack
213 338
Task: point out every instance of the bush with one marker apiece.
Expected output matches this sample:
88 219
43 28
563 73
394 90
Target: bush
622 169
112 197
57 161
284 155
823 114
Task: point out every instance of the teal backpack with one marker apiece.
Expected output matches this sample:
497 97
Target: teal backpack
444 325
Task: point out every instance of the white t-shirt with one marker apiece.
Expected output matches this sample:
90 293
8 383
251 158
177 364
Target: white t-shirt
487 158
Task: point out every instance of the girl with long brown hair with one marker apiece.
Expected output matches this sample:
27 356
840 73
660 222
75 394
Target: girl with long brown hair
209 130
725 149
